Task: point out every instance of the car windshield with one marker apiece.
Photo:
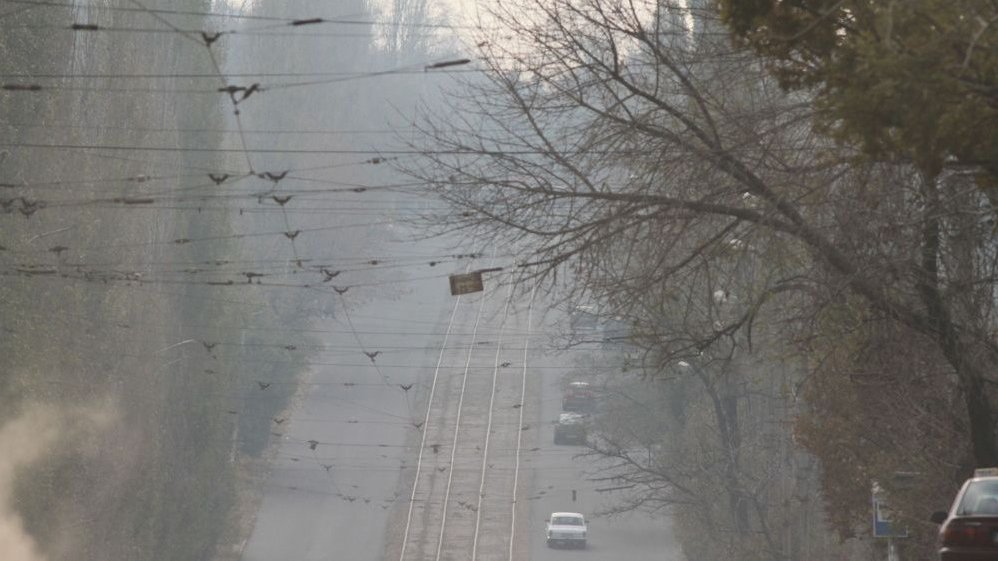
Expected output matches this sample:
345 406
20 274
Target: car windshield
567 521
981 499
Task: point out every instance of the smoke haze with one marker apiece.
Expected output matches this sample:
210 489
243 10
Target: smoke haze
24 441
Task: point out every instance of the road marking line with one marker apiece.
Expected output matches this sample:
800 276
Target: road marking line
457 430
519 434
488 427
426 419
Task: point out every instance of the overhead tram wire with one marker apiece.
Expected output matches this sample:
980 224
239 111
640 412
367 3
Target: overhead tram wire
215 65
187 241
375 261
207 39
353 330
404 70
138 179
35 88
310 19
171 165
160 291
236 399
245 93
195 13
58 125
237 395
346 206
223 78
215 187
311 210
214 277
225 85
329 212
275 132
131 281
279 330
389 152
234 33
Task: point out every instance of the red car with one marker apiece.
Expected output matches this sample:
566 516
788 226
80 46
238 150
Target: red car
969 531
578 397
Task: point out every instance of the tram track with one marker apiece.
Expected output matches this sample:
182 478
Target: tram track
462 504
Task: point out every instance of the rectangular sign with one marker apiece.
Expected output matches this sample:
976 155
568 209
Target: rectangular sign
882 524
466 283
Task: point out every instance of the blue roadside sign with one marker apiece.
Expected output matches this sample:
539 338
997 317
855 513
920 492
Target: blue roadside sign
882 525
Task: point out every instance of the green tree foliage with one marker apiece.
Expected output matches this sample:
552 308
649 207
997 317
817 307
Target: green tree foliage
878 410
910 80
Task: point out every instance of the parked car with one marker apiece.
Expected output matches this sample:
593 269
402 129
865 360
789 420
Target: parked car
969 530
566 528
570 429
578 396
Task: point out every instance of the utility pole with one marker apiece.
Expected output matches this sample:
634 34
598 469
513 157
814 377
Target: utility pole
892 550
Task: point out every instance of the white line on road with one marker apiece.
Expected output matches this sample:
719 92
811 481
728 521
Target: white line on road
426 419
457 430
488 427
519 434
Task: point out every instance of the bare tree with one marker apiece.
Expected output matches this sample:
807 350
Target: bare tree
604 126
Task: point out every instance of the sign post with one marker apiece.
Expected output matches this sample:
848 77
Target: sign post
882 525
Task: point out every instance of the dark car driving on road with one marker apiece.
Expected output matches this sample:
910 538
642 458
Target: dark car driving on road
570 429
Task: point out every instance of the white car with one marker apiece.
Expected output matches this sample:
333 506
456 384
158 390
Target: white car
566 528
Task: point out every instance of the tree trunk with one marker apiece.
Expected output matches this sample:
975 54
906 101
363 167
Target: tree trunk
957 351
982 426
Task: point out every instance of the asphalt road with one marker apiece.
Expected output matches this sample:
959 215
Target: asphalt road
348 498
555 471
335 502
462 505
